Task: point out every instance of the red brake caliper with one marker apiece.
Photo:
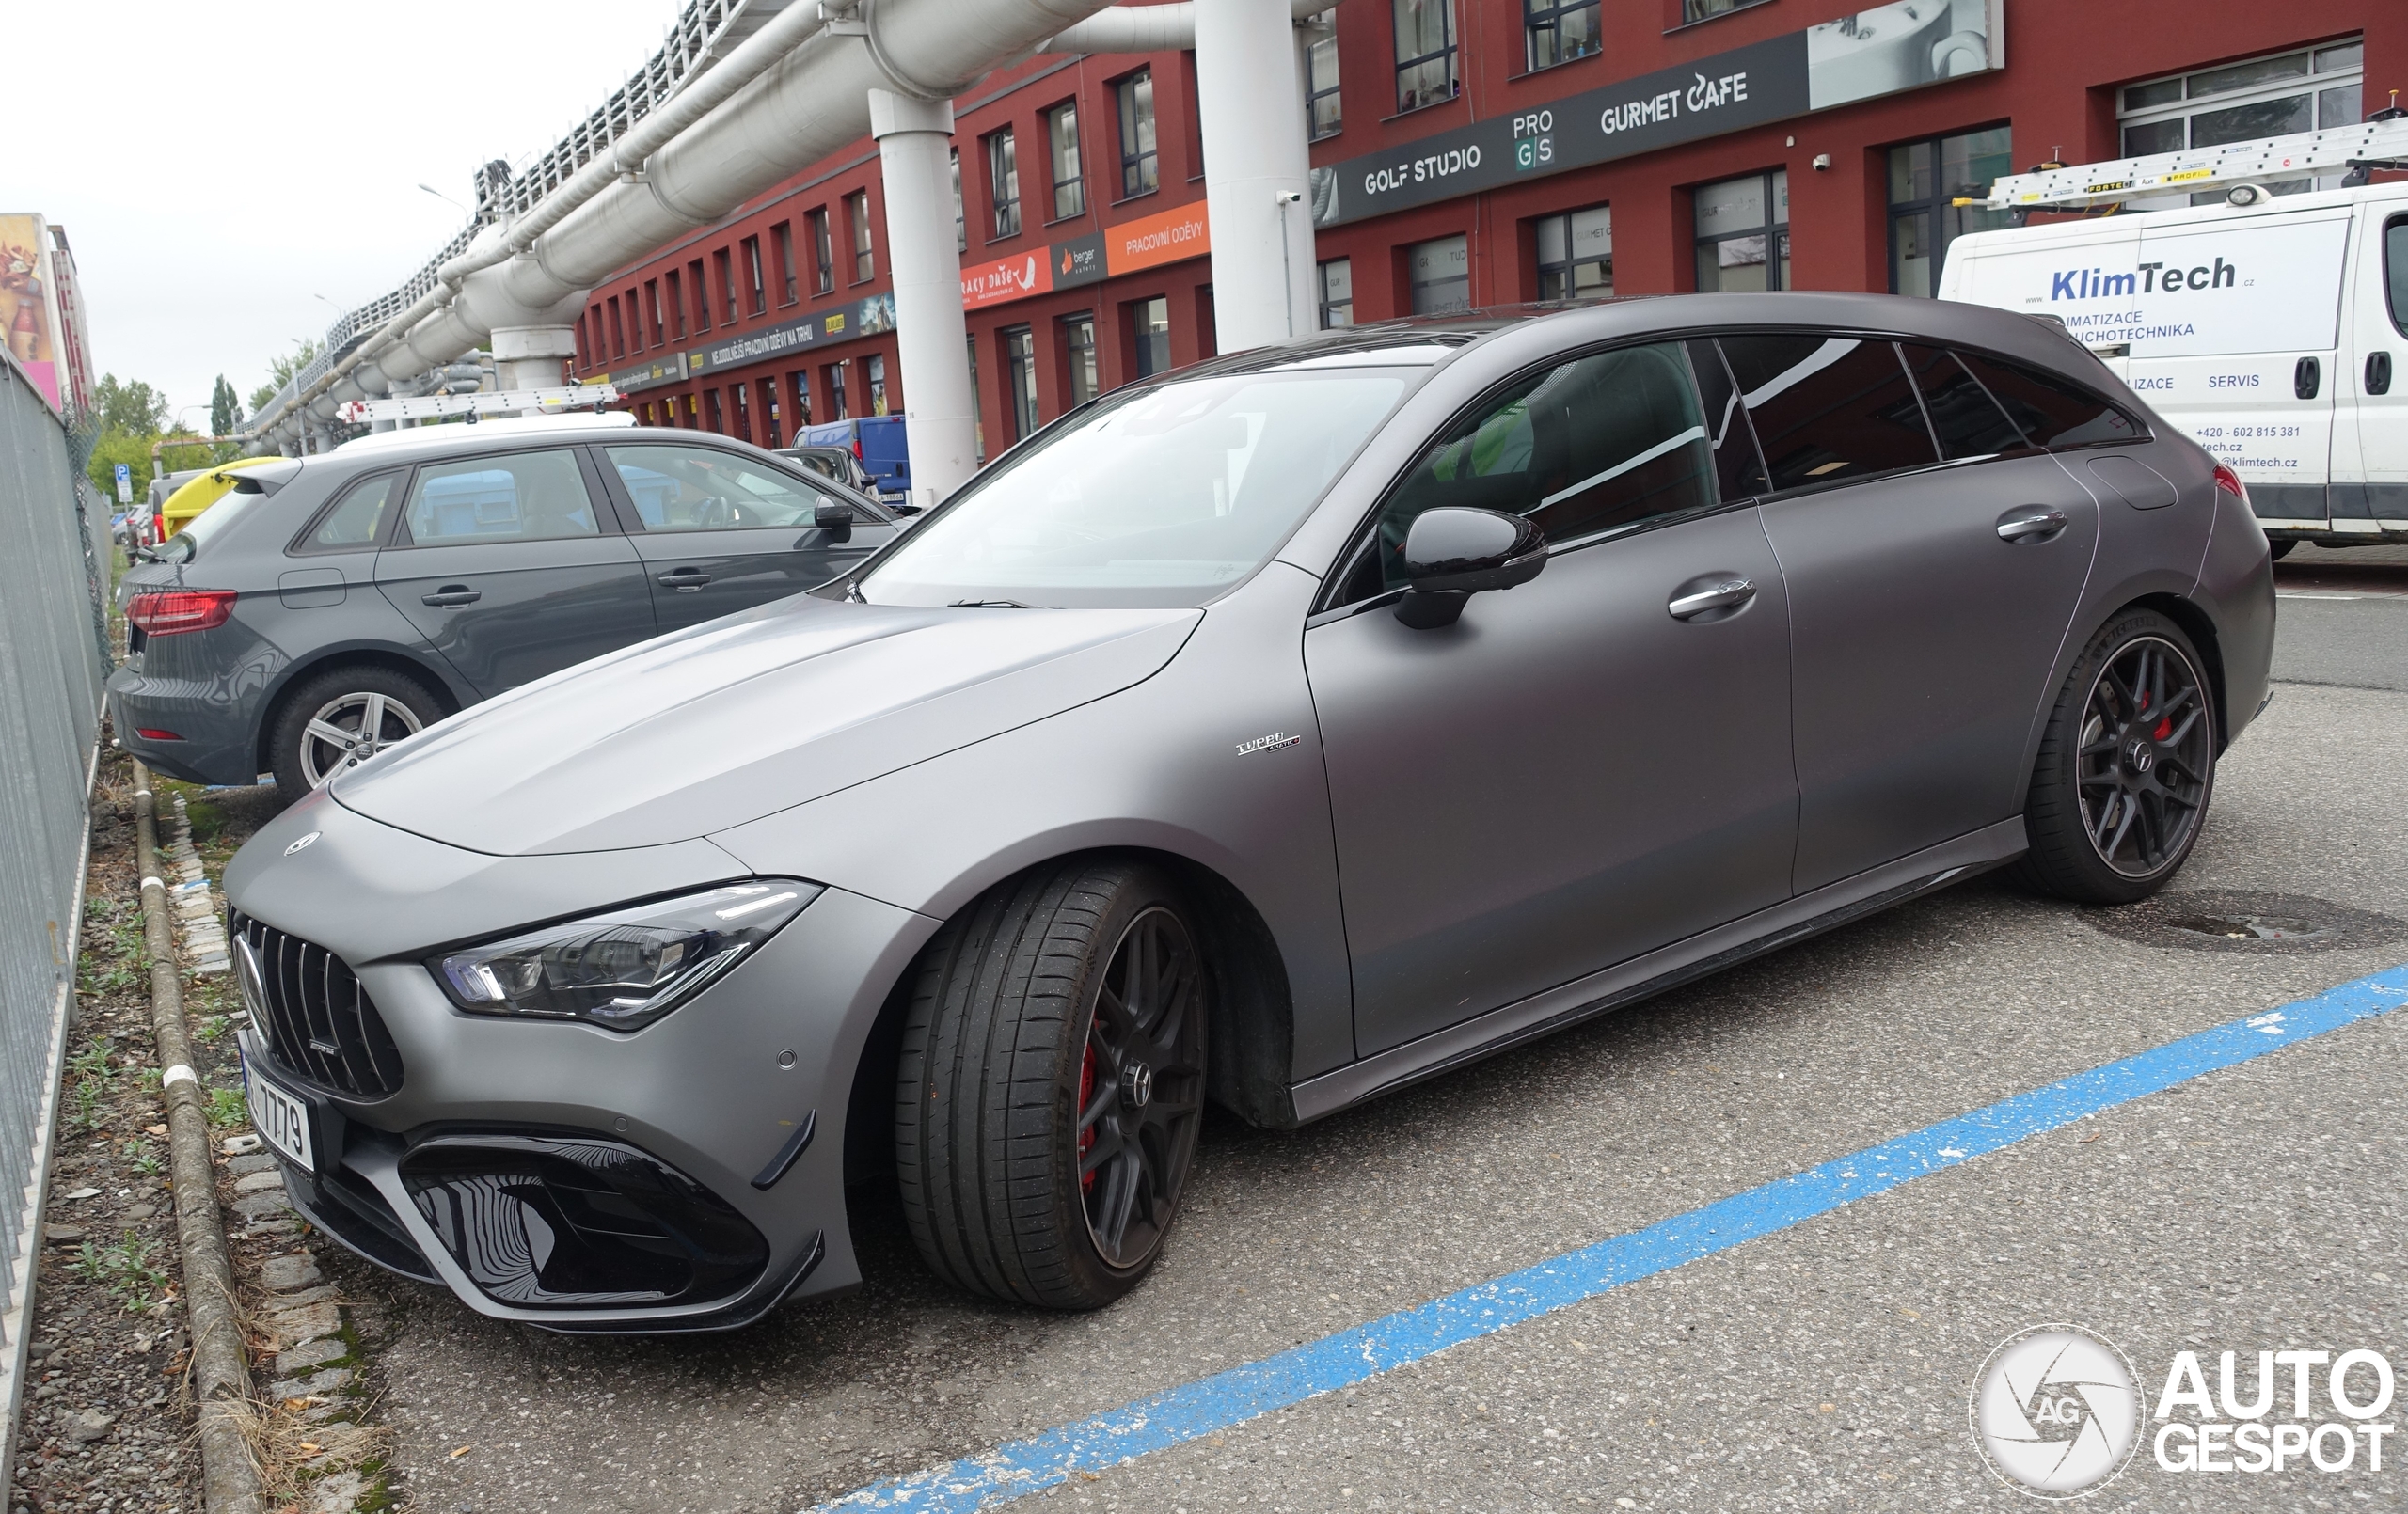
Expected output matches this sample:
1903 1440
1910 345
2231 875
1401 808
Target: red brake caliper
1086 1092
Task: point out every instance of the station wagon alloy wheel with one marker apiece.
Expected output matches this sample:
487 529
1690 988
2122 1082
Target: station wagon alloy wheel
348 730
2146 747
1141 1088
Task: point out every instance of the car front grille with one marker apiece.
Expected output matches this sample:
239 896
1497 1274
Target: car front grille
319 1024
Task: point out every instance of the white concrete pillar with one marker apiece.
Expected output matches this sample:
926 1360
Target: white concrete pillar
1255 172
931 336
533 357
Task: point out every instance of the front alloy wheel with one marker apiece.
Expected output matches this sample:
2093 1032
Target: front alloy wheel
1051 1083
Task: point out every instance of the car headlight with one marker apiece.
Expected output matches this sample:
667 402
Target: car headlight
626 967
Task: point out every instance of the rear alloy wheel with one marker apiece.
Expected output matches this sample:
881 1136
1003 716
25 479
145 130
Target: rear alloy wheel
2125 766
1052 1084
341 718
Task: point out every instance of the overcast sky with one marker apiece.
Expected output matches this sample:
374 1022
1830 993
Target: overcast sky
220 167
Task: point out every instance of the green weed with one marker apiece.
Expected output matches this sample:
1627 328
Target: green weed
124 1268
227 1107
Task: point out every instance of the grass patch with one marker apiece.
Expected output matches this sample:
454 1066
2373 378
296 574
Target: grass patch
228 1107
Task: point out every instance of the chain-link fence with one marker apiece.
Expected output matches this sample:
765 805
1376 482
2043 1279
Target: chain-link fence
54 538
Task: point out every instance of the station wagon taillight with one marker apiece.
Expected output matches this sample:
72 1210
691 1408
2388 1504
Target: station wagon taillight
174 611
2230 483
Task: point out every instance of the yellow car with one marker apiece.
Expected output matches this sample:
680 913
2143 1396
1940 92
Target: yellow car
181 508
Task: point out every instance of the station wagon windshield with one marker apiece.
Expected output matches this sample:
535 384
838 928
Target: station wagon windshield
1164 496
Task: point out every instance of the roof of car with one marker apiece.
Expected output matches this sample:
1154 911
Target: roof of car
421 442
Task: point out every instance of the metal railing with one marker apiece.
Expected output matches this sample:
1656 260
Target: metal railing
52 666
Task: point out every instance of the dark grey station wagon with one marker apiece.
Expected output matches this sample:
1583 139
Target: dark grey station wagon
334 604
1275 732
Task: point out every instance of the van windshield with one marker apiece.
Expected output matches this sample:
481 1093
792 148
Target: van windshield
1159 497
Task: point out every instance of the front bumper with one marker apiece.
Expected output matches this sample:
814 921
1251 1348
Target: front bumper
509 1145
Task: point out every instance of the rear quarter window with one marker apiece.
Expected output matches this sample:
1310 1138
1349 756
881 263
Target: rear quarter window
1828 409
2053 412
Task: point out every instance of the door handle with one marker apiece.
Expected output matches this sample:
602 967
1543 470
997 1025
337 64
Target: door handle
2307 377
684 580
450 596
2021 527
1727 594
2378 372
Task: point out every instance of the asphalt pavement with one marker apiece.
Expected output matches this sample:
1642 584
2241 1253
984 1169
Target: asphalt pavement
1826 1365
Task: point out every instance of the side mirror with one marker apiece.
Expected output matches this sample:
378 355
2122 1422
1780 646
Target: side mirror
834 517
1453 553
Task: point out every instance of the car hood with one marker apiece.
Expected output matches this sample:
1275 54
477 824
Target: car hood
743 716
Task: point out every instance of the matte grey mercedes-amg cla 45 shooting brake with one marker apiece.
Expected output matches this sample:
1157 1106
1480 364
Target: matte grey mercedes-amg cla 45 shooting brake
1278 733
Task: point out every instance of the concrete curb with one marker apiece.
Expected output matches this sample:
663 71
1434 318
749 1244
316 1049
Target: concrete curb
220 1368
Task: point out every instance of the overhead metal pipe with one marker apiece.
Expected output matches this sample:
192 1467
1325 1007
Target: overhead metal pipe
1254 188
931 334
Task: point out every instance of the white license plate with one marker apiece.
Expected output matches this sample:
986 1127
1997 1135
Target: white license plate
282 1120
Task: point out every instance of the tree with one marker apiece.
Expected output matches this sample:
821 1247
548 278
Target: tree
225 409
135 408
280 372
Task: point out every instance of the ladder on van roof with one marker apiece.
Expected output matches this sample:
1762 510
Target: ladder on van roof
2373 144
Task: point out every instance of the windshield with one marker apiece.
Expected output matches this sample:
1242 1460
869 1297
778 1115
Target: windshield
1162 497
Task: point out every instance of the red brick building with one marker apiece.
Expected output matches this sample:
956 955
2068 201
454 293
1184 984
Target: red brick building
1465 153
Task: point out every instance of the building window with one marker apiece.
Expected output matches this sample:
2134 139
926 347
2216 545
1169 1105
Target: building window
1324 115
652 308
677 298
1439 275
702 295
741 412
769 416
1743 233
961 222
2308 89
1335 281
1139 172
1003 181
1924 177
1425 51
874 367
823 252
783 235
710 412
1561 31
1078 348
836 408
977 427
725 267
753 274
856 212
800 382
1577 254
1149 321
1699 9
1020 379
1062 151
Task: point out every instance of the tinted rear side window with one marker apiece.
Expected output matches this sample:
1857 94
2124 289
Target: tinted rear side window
2053 412
1737 468
359 518
1967 420
1828 409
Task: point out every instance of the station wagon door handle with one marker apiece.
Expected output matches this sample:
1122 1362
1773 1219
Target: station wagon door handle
684 580
450 596
1724 595
2021 527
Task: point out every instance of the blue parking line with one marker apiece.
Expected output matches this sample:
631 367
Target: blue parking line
1211 1404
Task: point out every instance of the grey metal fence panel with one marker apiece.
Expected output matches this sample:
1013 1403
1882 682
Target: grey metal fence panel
52 667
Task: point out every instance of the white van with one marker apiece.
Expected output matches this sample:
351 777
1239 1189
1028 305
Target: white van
2276 334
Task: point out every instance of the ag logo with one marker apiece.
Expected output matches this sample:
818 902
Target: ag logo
303 841
2055 1411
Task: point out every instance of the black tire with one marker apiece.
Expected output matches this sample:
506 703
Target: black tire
2127 767
1009 1185
2281 549
344 694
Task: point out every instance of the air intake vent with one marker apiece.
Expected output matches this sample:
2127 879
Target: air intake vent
319 1024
